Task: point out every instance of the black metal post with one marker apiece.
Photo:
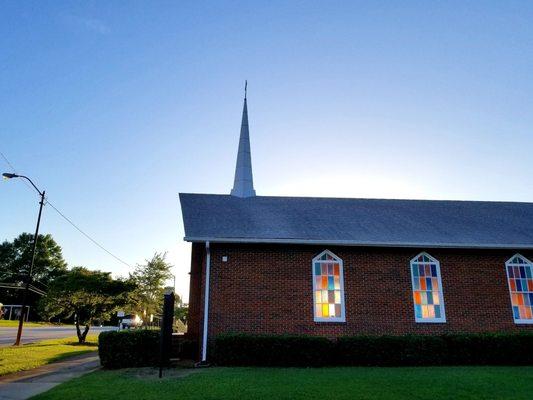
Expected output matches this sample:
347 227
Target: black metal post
29 277
165 343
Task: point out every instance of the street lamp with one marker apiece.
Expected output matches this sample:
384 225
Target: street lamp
28 279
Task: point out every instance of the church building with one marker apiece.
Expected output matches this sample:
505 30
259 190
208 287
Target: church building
336 266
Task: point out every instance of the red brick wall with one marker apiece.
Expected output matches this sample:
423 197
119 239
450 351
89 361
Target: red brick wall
268 289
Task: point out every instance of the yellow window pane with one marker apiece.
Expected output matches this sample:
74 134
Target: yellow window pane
337 297
425 311
325 310
332 310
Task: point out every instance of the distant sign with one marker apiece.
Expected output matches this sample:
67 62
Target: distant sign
120 313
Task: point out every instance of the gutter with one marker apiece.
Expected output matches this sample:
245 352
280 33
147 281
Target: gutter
487 246
206 301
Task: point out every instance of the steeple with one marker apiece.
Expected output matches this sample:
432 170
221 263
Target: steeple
243 185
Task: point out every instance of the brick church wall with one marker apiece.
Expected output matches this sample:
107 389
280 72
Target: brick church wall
268 289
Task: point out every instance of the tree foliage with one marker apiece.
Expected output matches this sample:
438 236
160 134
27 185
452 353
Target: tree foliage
90 296
150 279
15 259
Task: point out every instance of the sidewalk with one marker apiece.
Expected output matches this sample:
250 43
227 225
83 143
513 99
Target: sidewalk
25 384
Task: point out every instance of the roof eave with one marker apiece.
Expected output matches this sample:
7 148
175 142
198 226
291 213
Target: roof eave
360 243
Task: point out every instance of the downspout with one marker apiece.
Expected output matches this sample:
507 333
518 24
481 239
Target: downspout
206 301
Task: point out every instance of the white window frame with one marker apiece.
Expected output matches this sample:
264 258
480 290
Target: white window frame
442 319
507 264
337 259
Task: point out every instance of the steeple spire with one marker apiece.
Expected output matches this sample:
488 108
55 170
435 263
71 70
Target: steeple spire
243 185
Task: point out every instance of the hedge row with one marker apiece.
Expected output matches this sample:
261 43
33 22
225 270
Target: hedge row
409 350
139 348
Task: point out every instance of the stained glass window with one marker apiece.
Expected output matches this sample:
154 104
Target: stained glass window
427 289
328 288
519 276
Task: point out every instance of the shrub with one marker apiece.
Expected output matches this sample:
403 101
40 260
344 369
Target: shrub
271 350
131 348
408 350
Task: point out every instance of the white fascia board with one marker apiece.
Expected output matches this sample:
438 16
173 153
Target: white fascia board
361 244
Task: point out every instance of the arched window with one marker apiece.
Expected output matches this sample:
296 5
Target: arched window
328 288
427 289
519 277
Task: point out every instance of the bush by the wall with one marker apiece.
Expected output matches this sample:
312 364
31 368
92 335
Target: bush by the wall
409 350
271 350
130 348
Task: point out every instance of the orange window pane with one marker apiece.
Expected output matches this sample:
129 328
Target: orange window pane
514 298
325 310
435 283
528 312
336 270
523 312
324 269
431 312
417 298
423 283
318 311
520 300
530 285
513 285
324 282
427 269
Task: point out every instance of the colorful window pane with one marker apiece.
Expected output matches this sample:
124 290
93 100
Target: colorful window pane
328 288
427 289
519 275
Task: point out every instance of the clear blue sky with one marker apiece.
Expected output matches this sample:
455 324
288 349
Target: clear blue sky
115 108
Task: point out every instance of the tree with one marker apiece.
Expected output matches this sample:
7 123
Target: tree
15 261
87 295
150 280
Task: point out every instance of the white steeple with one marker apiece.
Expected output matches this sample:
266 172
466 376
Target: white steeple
243 185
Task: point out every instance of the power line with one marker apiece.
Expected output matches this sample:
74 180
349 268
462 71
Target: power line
69 220
86 235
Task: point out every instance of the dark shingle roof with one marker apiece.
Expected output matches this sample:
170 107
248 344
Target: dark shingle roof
359 222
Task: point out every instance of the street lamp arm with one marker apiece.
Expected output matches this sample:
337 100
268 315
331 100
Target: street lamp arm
33 184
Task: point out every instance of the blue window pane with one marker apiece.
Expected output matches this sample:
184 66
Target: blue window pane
518 285
417 284
528 272
516 313
437 311
317 269
421 270
331 283
430 298
434 270
530 298
522 272
429 285
418 311
415 270
526 300
510 272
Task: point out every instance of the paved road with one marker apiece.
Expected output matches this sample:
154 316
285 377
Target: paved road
29 335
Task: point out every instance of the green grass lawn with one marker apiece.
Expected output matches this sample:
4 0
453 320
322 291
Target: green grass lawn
315 383
4 323
13 359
